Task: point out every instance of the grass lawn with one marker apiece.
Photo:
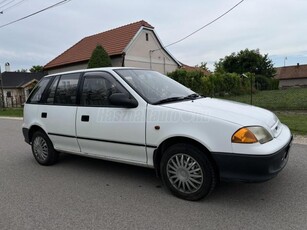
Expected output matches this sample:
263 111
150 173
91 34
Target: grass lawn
296 121
289 99
11 112
290 106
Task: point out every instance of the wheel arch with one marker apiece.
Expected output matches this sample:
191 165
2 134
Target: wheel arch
157 156
33 129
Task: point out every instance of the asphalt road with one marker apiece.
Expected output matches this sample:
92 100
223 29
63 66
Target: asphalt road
84 193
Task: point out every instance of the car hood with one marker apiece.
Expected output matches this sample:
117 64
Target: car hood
235 112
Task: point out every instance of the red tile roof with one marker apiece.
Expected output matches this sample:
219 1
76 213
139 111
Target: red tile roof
194 68
291 72
113 41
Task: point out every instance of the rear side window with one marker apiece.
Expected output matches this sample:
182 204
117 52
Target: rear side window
66 91
51 91
38 91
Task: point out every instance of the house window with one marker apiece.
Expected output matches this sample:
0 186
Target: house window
147 37
8 94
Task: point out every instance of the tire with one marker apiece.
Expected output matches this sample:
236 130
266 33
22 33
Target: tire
42 149
187 172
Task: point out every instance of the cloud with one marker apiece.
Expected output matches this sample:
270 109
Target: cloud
275 27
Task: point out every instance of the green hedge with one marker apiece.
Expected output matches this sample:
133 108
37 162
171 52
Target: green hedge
221 84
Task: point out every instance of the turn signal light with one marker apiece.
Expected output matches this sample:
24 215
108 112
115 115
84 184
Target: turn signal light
244 135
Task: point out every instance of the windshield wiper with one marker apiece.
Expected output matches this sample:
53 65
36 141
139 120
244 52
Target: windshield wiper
170 99
192 96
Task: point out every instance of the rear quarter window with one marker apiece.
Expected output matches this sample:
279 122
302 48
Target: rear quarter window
38 91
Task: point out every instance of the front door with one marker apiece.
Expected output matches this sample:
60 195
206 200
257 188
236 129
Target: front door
105 130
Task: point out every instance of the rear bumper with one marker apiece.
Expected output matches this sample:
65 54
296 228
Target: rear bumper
251 168
25 132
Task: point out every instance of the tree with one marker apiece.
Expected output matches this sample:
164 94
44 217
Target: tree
36 69
99 58
203 65
21 70
246 61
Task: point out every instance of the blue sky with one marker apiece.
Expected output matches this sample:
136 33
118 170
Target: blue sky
276 27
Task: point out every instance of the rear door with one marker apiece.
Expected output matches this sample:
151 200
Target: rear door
58 112
105 130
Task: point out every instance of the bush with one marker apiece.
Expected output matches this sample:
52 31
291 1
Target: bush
218 84
265 83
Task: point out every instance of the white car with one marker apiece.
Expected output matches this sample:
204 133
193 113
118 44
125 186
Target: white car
142 117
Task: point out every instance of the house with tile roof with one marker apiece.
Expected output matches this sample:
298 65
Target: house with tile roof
132 45
195 68
16 87
290 76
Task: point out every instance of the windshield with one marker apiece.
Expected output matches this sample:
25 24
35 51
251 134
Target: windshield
154 87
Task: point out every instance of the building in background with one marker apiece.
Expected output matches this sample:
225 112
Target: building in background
16 87
132 45
291 76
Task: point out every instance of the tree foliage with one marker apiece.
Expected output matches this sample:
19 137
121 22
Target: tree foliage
246 61
203 65
36 69
21 71
99 58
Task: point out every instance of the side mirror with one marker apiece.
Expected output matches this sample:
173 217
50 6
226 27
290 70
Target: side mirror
123 99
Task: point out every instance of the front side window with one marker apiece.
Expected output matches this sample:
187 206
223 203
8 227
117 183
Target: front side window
66 91
38 91
98 87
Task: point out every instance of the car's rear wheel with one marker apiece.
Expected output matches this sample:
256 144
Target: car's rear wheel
42 149
187 172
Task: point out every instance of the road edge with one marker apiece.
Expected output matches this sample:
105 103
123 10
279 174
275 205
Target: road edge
11 118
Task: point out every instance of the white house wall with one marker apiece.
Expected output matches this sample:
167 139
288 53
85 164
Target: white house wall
284 83
115 62
138 54
67 68
17 97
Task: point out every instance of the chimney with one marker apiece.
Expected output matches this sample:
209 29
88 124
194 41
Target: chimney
7 67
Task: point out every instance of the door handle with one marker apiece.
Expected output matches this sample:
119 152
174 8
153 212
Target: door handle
85 118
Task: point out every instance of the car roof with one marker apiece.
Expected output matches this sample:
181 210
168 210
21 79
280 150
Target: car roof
109 69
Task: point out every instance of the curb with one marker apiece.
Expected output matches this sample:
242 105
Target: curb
12 118
298 139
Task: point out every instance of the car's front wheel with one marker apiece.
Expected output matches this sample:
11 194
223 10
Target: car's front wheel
187 172
43 150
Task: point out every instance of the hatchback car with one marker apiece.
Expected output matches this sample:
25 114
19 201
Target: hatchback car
144 118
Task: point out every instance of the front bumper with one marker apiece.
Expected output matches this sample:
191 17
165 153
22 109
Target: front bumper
251 168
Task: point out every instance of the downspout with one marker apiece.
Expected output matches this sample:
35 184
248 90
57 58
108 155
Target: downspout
150 61
123 59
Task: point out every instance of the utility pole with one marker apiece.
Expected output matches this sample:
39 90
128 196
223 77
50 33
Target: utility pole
2 95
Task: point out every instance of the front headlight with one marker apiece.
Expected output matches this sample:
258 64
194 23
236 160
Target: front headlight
252 134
